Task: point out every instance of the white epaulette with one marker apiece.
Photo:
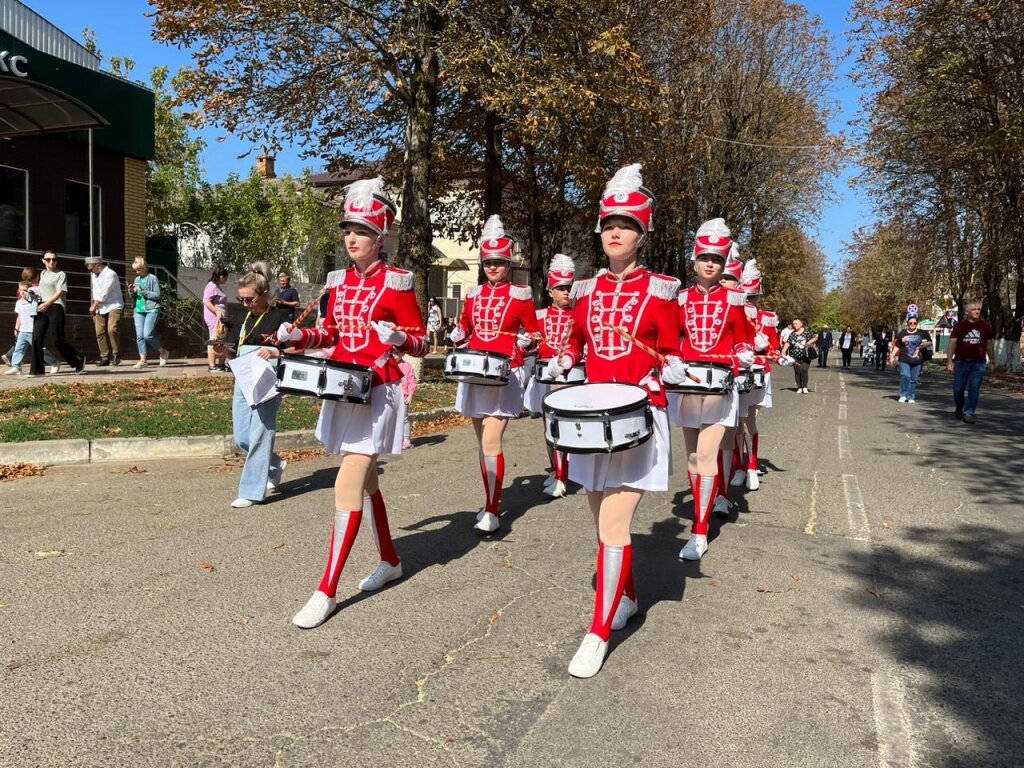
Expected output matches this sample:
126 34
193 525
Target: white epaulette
474 291
334 277
542 313
736 298
521 292
582 288
770 320
684 296
664 287
399 279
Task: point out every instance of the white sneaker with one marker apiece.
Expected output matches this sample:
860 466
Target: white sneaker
721 506
275 476
753 481
739 478
626 611
164 354
271 487
488 523
903 399
315 611
12 371
140 364
695 547
241 503
589 658
385 572
54 369
911 400
556 490
5 360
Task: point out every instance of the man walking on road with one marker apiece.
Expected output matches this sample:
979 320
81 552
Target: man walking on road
970 355
824 345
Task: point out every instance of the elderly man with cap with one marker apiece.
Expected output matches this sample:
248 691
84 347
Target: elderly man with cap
106 307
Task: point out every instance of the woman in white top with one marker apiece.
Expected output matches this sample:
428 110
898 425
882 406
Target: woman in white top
53 284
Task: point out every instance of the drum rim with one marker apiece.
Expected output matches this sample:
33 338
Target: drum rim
614 411
484 352
618 449
703 364
340 364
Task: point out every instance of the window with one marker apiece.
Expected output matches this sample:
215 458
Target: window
455 290
13 208
76 218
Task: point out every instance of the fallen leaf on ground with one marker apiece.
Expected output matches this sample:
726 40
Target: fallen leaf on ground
875 592
443 424
207 567
885 525
132 470
11 472
45 553
301 454
712 583
2 606
278 546
241 622
494 617
113 430
766 591
794 578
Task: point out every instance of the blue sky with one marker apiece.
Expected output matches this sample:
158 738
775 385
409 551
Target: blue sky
122 29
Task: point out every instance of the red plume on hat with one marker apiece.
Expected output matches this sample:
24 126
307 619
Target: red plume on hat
713 237
561 271
494 243
750 281
366 204
625 195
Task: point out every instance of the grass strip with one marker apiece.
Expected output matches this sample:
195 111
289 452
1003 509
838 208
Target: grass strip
155 407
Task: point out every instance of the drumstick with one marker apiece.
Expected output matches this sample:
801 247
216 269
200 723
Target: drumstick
652 352
307 310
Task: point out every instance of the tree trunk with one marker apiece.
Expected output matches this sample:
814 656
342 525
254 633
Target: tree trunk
535 239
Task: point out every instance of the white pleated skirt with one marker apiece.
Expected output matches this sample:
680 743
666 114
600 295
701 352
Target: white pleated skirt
533 398
695 411
644 468
479 400
374 428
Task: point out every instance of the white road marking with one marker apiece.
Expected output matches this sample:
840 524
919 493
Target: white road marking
842 396
844 444
842 411
855 511
895 748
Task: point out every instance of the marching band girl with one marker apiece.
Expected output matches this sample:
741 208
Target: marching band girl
628 298
491 319
371 309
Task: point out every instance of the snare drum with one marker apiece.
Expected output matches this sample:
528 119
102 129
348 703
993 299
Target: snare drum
713 379
575 375
597 418
757 374
324 379
477 366
299 375
745 382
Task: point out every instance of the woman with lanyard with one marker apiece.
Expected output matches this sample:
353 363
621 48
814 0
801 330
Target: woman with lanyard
492 319
798 347
555 322
255 426
371 309
715 330
623 303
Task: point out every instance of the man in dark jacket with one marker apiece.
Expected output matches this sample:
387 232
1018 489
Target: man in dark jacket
824 345
882 339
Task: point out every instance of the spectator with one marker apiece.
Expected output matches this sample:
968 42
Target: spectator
408 390
215 311
25 313
799 345
449 326
882 339
971 353
105 308
53 285
30 275
865 350
847 340
824 345
908 349
433 322
286 298
146 292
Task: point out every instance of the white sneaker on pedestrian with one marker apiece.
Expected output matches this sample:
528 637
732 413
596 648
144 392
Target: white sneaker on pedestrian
5 360
739 478
721 507
54 369
556 490
386 572
626 610
164 354
589 658
911 400
12 371
241 503
271 487
315 611
695 547
140 364
488 523
753 481
275 476
903 399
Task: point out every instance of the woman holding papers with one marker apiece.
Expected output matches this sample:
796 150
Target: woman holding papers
371 310
255 425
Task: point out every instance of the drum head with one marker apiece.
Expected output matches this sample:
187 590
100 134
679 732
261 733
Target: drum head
602 397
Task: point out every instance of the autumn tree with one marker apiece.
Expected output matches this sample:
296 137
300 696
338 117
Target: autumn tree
794 285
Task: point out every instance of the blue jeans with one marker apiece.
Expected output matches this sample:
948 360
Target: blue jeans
255 429
967 376
145 331
22 345
909 374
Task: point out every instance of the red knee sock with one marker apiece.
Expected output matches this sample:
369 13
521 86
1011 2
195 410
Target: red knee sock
381 529
561 466
724 460
492 468
343 535
704 492
752 464
614 564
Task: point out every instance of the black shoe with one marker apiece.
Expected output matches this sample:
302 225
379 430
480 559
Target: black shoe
116 360
959 415
80 368
101 363
969 419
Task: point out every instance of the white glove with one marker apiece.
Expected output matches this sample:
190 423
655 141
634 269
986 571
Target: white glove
555 368
523 341
387 334
288 332
745 358
457 334
785 360
673 371
760 341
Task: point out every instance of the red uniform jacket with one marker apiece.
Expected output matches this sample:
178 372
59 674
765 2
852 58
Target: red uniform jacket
553 325
383 293
763 321
642 304
494 314
714 325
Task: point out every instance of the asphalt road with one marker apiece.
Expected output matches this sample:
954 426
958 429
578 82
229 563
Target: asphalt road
863 608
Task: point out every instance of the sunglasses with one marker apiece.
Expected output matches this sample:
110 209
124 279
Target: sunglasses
248 300
494 264
49 259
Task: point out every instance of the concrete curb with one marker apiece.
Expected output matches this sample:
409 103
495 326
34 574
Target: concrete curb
123 449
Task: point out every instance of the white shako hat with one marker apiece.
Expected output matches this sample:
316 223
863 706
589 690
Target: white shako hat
366 204
561 271
750 282
494 243
626 195
714 237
